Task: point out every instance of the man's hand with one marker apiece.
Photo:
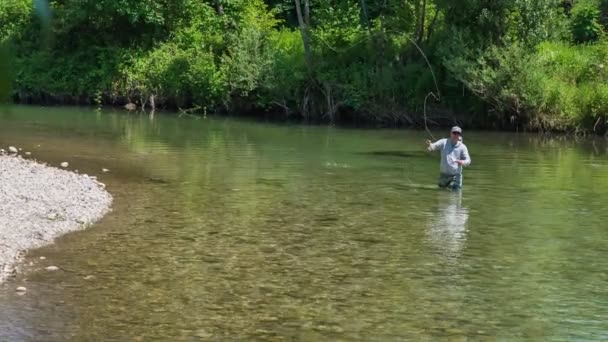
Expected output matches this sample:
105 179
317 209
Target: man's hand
460 162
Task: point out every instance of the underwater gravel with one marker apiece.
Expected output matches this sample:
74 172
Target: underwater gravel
39 203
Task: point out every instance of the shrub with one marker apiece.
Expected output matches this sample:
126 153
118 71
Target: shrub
585 25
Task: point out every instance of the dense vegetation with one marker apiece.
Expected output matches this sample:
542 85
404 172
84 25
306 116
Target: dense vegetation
538 64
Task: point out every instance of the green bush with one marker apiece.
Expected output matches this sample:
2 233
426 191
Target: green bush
555 87
183 77
14 15
585 24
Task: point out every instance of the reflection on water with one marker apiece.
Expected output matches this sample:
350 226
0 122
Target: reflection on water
448 225
233 230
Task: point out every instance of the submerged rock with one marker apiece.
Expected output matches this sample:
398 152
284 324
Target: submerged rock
52 268
28 153
64 164
13 149
105 170
21 289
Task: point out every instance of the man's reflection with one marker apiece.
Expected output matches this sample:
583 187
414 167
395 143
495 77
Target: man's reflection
448 226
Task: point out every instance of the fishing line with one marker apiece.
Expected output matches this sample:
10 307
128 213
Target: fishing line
436 95
426 126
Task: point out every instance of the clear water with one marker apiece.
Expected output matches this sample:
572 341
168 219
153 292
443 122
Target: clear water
225 230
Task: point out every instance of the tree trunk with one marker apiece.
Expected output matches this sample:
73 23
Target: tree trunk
307 12
429 32
303 29
364 14
417 18
219 8
152 102
422 23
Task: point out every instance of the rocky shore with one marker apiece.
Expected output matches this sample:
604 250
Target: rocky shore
39 203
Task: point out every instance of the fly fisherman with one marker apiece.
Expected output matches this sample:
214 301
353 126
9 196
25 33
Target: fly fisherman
454 156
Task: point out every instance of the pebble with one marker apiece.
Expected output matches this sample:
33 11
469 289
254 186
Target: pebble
105 170
42 258
28 153
52 268
21 289
64 164
13 149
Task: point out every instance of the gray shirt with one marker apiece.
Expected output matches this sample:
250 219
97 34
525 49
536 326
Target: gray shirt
450 153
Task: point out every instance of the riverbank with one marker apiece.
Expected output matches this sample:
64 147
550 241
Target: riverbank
39 203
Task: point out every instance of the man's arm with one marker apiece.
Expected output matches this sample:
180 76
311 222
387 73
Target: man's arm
436 145
465 159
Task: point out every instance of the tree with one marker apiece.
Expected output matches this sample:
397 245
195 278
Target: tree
304 23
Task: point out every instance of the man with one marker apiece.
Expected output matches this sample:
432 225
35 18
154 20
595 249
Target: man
454 156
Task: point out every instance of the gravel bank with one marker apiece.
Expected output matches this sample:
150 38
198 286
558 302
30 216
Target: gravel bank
39 203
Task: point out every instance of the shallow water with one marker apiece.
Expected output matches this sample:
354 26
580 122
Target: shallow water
227 229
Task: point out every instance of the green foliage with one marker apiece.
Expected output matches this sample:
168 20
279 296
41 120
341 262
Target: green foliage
5 70
585 24
503 62
532 22
247 58
14 14
180 76
282 85
557 87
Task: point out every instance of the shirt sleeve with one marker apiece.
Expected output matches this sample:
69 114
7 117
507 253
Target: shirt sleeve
464 156
437 145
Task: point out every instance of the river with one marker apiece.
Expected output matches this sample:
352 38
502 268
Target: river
226 229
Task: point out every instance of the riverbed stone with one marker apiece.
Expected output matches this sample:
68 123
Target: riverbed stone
64 164
52 268
21 289
13 149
